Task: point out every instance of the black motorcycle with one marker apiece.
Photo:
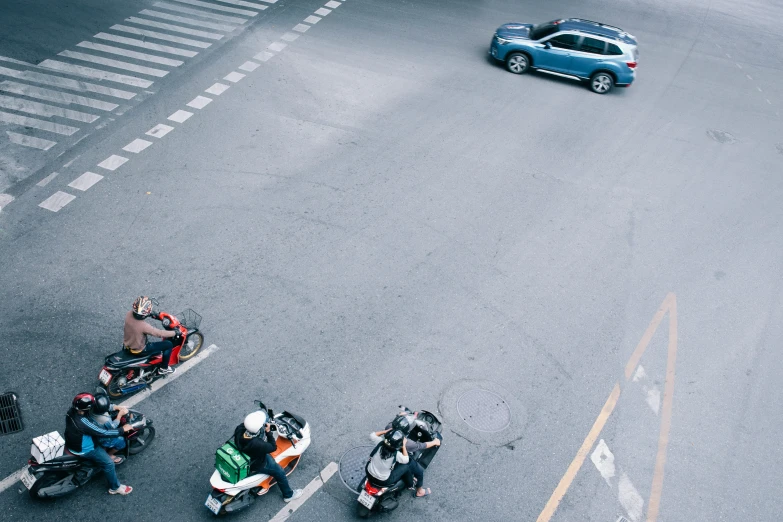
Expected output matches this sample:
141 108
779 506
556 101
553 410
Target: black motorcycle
65 474
378 498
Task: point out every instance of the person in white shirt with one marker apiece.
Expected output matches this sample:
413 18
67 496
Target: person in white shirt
389 462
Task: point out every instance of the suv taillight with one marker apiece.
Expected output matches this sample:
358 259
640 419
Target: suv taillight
631 65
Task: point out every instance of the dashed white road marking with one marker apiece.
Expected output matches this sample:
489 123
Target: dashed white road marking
301 28
30 141
630 499
604 461
759 88
188 21
333 4
100 74
43 109
5 199
277 46
57 81
263 56
201 13
749 77
55 202
249 66
146 45
130 54
312 19
739 66
289 37
47 179
244 3
113 162
308 492
233 77
216 7
161 36
117 64
217 89
652 393
180 116
137 145
85 181
56 96
322 11
728 56
769 102
199 102
35 123
174 28
159 130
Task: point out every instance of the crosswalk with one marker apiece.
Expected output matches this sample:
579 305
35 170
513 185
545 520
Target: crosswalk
65 97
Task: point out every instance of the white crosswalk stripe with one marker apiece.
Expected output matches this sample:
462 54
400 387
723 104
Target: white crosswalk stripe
312 19
159 130
174 28
117 64
322 12
146 45
145 57
180 116
63 98
113 162
161 36
43 109
233 77
66 83
199 102
217 89
85 181
244 3
218 7
199 12
57 201
35 123
30 141
188 21
96 73
137 145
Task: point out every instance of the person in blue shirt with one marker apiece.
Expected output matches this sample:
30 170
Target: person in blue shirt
80 434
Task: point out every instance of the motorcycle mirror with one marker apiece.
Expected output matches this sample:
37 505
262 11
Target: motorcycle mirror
260 405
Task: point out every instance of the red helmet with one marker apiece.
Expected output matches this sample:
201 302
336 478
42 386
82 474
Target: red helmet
83 402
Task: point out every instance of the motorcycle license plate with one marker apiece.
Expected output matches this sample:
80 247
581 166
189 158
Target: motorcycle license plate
213 504
104 377
27 478
366 500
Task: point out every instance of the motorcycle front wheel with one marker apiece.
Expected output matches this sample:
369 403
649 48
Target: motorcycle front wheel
192 345
140 442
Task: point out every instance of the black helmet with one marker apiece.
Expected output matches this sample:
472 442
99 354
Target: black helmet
401 423
101 405
83 402
394 439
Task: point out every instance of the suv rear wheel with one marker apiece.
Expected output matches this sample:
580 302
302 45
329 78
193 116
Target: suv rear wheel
518 63
601 82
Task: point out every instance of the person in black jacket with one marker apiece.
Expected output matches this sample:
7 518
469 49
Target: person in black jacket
79 432
248 438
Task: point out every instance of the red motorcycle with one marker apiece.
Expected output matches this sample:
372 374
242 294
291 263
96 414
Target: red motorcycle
124 373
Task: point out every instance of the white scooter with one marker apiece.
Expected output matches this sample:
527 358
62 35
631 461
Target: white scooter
292 438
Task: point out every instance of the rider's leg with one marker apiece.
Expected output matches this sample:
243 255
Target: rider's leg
273 469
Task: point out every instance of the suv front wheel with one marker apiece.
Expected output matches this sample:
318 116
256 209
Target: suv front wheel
518 63
601 82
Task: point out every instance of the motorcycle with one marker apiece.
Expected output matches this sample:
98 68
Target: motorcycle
65 474
124 373
374 497
292 439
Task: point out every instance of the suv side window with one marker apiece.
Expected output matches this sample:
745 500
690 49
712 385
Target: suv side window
614 50
564 41
593 45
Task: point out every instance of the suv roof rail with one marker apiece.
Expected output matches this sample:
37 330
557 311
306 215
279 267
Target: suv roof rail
607 26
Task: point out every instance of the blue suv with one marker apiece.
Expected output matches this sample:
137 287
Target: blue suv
583 50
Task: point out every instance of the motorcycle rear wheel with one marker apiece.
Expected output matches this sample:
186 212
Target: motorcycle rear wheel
140 442
192 345
48 480
113 389
362 511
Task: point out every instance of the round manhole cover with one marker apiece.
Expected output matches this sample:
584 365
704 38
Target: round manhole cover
352 465
484 410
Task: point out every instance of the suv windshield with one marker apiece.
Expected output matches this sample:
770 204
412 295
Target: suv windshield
543 30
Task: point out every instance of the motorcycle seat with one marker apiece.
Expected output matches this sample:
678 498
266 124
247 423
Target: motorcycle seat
124 358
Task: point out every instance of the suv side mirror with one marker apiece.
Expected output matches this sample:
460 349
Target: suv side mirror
547 45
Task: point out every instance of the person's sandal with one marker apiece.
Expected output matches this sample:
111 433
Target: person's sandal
117 459
122 490
427 492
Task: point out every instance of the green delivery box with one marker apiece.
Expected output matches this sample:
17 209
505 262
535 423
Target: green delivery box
232 464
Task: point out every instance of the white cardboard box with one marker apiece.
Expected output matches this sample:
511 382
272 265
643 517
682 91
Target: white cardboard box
47 447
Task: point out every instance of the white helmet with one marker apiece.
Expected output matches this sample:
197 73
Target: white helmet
254 422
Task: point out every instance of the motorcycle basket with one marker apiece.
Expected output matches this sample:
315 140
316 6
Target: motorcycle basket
189 319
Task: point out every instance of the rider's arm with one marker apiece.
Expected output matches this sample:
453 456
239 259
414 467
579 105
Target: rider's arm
402 456
377 436
87 426
151 330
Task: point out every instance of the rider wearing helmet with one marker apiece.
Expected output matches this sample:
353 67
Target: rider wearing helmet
136 332
405 422
389 461
80 434
254 438
101 413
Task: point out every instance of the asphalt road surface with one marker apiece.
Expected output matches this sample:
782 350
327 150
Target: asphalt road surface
372 213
